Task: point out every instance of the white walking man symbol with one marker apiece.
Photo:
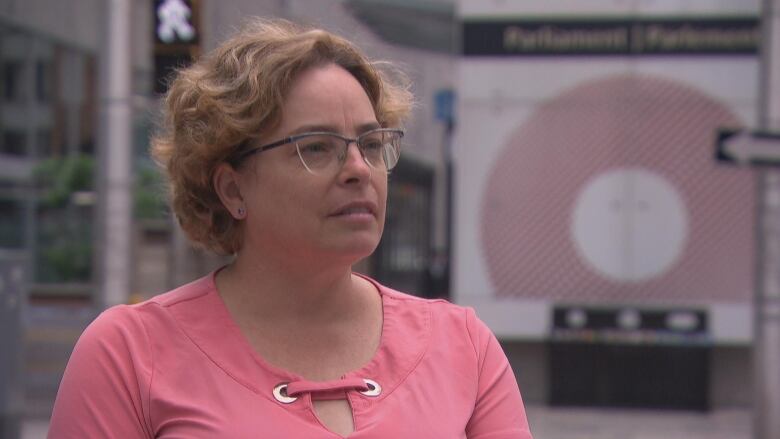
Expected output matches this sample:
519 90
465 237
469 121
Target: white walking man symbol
174 15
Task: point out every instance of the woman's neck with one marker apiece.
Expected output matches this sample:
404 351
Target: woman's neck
271 291
319 325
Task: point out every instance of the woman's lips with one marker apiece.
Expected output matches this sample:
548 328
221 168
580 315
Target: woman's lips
356 209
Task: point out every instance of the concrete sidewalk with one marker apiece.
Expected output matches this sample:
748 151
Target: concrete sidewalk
580 423
34 429
575 423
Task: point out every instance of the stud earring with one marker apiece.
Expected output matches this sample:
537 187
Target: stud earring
241 212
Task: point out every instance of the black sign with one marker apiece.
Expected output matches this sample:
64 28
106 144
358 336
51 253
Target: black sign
630 325
745 147
738 36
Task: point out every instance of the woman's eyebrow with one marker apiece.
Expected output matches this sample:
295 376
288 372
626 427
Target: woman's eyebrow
314 128
333 129
368 127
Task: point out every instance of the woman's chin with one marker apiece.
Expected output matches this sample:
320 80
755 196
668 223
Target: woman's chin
354 250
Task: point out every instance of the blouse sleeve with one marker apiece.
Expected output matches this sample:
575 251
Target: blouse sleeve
498 412
104 391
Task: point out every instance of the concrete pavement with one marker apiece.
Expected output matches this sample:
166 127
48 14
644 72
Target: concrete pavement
579 423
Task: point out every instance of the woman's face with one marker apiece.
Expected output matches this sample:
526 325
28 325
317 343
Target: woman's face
334 216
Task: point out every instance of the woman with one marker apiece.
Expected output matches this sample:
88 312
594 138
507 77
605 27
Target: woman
278 147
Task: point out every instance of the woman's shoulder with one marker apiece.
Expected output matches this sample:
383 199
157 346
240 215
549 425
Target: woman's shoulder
192 291
455 330
412 299
126 320
441 311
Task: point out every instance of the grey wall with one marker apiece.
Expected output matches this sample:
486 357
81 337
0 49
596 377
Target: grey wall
73 22
79 24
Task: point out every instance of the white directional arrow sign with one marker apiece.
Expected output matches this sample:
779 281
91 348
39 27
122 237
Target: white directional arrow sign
746 147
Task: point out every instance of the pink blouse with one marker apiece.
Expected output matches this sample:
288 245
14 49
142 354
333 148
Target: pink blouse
177 366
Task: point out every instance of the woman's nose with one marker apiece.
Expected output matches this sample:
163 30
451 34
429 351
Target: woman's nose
354 165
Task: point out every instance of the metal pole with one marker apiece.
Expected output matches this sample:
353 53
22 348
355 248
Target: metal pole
449 169
767 309
116 144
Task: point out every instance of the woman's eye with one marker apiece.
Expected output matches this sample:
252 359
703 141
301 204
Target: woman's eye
372 144
314 148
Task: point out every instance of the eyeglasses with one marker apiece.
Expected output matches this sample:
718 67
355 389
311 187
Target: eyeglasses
321 152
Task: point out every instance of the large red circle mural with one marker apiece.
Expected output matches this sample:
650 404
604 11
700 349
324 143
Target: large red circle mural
610 192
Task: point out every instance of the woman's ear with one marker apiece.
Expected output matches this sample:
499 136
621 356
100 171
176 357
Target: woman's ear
227 184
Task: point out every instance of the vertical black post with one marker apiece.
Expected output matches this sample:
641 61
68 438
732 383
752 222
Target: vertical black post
445 112
450 209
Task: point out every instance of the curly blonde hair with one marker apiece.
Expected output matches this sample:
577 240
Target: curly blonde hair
233 95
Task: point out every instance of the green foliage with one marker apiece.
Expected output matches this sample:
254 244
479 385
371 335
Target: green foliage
64 229
59 177
150 200
65 247
64 250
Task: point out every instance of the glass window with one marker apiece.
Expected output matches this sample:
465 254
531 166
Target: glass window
13 142
44 143
12 81
11 223
49 92
43 81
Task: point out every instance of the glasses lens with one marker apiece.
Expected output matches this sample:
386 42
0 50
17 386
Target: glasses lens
318 151
381 148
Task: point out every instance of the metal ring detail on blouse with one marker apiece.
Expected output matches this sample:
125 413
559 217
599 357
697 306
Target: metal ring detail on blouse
280 393
374 389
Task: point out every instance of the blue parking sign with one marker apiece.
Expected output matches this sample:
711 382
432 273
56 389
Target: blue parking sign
445 105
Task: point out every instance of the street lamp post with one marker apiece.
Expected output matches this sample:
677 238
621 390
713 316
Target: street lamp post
115 209
767 307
